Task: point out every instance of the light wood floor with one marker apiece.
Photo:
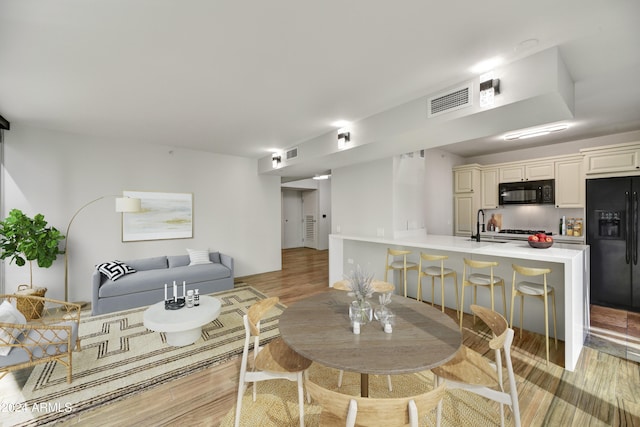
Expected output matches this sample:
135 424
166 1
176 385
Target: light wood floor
604 389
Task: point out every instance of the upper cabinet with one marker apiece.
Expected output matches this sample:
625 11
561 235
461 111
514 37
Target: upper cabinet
489 188
466 179
527 172
570 183
612 160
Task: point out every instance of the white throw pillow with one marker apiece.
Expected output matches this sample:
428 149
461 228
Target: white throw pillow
9 314
198 257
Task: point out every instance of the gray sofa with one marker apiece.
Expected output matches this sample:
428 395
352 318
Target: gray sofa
146 285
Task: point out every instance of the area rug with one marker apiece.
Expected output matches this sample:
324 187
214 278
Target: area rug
276 403
120 357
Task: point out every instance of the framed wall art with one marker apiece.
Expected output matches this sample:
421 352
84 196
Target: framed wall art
162 216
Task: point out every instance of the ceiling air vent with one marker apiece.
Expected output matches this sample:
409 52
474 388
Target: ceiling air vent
449 101
291 154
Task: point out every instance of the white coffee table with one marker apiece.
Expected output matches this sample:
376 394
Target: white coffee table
183 326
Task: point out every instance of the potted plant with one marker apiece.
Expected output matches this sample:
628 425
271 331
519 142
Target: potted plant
25 239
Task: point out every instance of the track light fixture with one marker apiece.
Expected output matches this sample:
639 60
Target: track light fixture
276 160
344 136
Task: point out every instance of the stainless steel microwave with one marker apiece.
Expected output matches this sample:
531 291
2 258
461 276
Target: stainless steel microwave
527 192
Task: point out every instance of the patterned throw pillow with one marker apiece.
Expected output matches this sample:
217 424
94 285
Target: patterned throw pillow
114 269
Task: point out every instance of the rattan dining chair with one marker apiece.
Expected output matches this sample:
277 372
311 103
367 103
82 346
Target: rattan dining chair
272 361
470 371
344 409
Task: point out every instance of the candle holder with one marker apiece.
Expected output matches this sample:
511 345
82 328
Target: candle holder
174 304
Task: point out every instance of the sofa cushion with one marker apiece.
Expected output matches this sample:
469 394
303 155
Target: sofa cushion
155 279
178 261
199 273
115 269
144 264
197 257
183 260
9 314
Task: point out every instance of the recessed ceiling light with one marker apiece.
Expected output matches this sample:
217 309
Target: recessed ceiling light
322 177
486 65
531 133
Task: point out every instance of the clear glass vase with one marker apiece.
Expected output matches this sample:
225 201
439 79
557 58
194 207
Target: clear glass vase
361 312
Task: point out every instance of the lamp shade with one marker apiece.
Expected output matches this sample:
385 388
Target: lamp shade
127 204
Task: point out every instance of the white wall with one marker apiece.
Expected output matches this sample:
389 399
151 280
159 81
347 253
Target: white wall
236 210
408 193
361 198
438 192
324 214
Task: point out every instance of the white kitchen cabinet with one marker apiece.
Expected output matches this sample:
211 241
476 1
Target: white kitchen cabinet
527 172
466 182
464 212
466 179
570 188
623 159
489 188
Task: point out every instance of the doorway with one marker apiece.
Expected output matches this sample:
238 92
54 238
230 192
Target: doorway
299 219
291 219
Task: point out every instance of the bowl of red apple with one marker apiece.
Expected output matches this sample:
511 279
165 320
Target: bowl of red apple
540 241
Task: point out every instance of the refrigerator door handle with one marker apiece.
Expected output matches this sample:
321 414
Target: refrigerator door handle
627 237
634 237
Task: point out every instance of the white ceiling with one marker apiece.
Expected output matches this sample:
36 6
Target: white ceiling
245 77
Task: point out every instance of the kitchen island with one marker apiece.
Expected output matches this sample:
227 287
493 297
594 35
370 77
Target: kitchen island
569 276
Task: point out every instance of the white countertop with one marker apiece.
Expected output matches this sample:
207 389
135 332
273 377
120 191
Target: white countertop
572 280
493 235
559 252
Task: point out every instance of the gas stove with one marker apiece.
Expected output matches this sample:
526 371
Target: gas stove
518 231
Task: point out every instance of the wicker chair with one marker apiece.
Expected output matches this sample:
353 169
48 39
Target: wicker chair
52 337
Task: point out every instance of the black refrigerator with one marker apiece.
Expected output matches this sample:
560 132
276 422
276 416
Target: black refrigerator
612 233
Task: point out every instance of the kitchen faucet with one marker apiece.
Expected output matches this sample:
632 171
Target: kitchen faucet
477 236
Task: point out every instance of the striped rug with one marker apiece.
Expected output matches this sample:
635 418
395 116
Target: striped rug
120 357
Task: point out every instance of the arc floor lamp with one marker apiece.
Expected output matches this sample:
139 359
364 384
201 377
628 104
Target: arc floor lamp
123 204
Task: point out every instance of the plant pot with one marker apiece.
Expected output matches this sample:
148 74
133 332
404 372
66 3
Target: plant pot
30 308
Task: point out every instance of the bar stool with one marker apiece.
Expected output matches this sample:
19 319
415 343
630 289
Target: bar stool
538 290
440 272
478 279
403 265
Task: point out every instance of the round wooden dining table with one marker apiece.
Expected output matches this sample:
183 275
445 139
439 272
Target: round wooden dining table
319 328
